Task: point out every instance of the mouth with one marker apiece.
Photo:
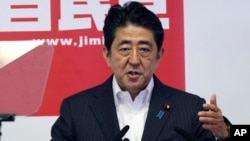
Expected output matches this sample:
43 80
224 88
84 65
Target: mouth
133 74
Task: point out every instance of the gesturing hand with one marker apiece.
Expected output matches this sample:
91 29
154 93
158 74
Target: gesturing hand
212 119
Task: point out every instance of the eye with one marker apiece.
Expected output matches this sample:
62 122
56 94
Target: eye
145 51
124 50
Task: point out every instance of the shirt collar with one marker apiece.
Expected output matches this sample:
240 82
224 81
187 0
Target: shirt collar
117 90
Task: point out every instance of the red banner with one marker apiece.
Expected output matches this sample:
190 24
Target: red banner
74 29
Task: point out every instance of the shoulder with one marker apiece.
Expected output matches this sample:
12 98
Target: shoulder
186 97
90 93
176 94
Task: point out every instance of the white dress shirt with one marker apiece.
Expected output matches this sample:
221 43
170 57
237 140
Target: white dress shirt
132 113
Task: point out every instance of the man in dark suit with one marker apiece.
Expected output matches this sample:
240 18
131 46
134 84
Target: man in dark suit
133 95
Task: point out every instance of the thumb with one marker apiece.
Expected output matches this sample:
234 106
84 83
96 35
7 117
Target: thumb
213 99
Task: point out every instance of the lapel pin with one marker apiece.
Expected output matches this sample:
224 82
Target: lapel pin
167 106
160 114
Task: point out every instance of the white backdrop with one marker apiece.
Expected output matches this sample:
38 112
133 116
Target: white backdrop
217 46
217 51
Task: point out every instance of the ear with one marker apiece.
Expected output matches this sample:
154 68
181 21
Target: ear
160 54
106 55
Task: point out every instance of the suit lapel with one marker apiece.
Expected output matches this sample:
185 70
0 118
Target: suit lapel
103 108
157 113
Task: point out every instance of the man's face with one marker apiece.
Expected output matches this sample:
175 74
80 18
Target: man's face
133 57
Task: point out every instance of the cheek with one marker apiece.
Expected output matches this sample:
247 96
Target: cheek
118 63
150 65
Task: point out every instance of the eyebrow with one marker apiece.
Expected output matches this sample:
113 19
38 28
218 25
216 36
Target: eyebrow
124 42
142 42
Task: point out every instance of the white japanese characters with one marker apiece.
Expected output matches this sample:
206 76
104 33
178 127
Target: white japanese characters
37 15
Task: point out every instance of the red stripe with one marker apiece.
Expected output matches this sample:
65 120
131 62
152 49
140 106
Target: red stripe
85 2
105 2
147 3
24 6
81 15
24 19
80 2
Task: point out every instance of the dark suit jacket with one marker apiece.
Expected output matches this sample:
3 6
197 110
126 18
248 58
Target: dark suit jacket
91 115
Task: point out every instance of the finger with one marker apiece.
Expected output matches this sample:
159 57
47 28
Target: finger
209 114
211 107
208 120
213 99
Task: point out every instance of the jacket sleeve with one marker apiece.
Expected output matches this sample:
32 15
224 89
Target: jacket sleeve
62 129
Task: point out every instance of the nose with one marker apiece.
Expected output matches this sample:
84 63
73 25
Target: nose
134 58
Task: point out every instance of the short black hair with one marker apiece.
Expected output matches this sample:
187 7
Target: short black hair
133 13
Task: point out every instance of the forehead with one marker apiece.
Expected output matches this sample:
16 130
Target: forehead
133 33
